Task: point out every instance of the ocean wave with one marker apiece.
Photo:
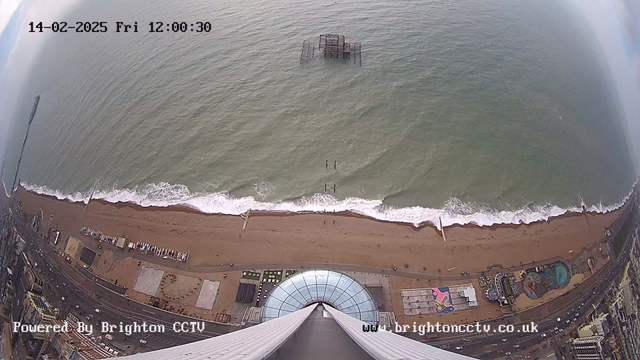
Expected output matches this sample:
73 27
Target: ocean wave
455 210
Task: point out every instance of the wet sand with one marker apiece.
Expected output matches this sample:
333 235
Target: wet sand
342 238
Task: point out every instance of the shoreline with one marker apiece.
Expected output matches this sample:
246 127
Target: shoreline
349 213
221 247
333 238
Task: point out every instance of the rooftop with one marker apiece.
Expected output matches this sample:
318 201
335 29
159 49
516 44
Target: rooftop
40 304
87 348
336 289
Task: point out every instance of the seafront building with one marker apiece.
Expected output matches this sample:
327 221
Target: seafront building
588 348
316 314
624 310
598 326
36 311
74 345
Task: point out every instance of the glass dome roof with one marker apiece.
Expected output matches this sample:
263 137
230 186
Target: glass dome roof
336 289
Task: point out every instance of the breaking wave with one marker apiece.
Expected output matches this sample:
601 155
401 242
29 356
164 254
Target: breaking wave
455 211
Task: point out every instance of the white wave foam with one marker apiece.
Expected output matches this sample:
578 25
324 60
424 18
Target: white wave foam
455 211
264 189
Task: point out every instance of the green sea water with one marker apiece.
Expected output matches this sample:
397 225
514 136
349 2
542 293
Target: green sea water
477 111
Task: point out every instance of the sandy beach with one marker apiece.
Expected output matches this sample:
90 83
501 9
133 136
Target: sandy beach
213 240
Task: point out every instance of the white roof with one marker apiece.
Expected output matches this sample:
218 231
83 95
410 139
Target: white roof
120 242
470 293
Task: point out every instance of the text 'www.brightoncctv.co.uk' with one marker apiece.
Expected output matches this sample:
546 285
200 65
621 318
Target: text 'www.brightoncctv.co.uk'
430 328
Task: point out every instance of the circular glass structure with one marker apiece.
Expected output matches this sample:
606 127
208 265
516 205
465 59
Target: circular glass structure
330 287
